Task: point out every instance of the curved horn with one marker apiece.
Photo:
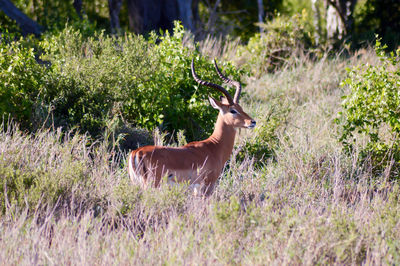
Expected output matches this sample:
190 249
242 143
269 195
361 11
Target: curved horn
212 85
230 82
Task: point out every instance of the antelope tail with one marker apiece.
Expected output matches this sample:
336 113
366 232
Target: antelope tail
136 167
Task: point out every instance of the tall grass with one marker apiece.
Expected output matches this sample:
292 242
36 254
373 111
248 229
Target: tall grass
65 201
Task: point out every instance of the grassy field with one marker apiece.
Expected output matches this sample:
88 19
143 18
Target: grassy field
308 202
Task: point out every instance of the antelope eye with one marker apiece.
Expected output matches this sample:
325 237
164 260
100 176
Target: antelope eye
233 111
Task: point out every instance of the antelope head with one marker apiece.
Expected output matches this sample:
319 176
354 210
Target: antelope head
229 109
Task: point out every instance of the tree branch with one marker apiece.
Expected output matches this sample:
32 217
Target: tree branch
26 24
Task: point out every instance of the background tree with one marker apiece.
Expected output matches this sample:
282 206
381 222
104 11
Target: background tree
147 15
78 7
340 18
236 18
317 20
380 17
333 19
114 7
26 24
260 12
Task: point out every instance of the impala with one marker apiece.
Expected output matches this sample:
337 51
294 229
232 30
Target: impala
198 163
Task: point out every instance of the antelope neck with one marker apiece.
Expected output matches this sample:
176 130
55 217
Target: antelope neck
224 137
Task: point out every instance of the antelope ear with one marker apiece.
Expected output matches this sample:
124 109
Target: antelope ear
215 104
223 100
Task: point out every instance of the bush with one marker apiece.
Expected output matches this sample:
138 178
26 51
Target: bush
371 109
282 38
147 83
96 82
21 80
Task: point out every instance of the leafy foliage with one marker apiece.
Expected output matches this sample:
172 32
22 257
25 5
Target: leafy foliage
53 15
93 82
380 17
372 107
282 38
21 80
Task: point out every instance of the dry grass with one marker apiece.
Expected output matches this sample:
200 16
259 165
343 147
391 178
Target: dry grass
310 204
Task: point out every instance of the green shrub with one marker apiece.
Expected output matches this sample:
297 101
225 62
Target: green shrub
89 75
371 109
146 83
282 38
93 82
20 80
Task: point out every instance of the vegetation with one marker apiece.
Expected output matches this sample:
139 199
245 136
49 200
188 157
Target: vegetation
99 81
231 19
379 17
66 200
21 78
372 109
283 38
316 182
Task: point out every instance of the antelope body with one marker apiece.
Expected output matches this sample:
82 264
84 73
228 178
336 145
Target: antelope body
198 163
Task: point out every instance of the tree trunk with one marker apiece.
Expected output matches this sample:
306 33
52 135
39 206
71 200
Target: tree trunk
144 15
186 14
317 20
195 12
210 26
114 7
26 24
78 7
260 13
147 15
340 18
